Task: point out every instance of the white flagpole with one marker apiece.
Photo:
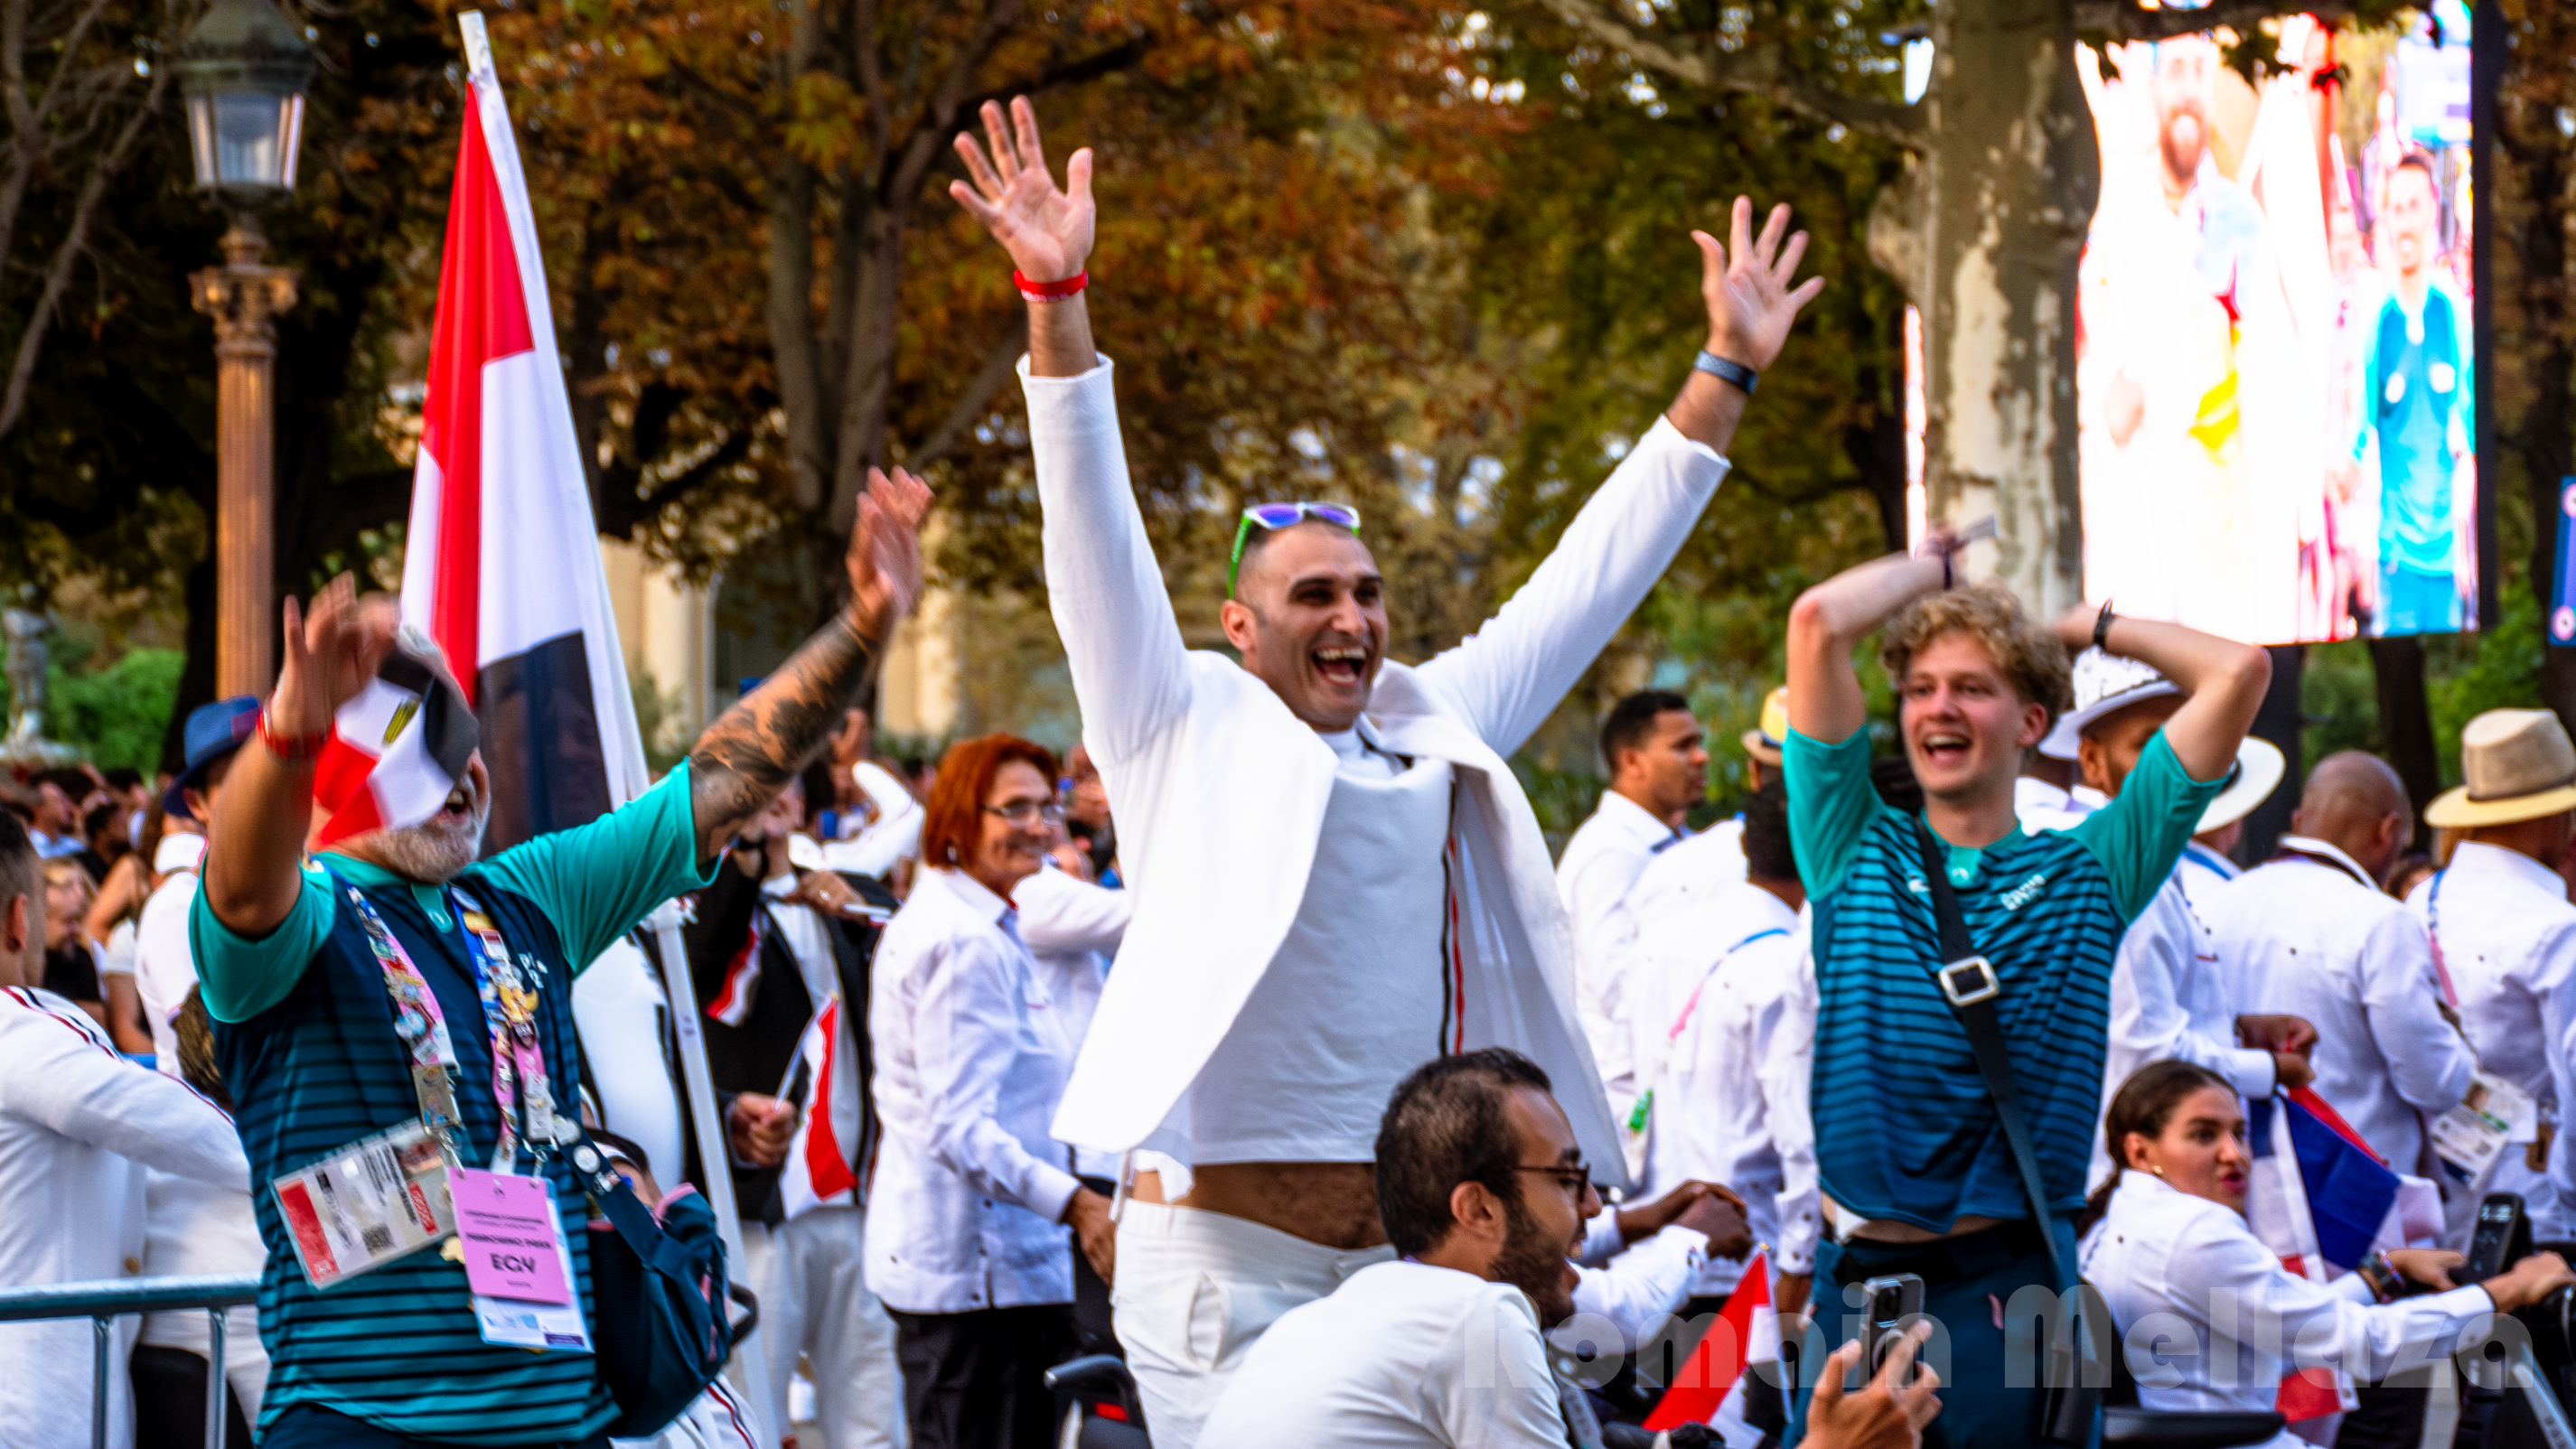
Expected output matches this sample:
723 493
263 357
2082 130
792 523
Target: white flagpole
622 751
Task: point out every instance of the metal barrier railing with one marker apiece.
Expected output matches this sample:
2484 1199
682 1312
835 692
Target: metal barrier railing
102 1303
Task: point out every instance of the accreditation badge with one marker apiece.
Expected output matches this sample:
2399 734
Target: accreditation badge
517 1261
375 1200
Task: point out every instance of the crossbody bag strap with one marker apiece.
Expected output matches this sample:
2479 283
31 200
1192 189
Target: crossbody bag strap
1968 982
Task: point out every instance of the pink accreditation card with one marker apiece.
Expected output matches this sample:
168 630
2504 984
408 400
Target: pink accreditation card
507 1226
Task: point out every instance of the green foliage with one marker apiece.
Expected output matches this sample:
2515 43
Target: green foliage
1563 799
116 715
657 720
2498 668
2338 701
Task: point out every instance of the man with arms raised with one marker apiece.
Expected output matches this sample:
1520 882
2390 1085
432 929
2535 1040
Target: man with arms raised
2170 996
1923 1179
364 996
1337 877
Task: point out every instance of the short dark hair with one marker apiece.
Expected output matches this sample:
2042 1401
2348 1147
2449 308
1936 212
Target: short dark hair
122 777
1767 852
1446 1125
75 783
99 818
1631 719
20 872
821 784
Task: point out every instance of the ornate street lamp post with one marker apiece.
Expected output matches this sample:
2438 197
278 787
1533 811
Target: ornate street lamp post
243 68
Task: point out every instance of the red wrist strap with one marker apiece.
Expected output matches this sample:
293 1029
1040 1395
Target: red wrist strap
1049 291
293 749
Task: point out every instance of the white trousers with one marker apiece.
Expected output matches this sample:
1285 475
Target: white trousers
1194 1290
814 1301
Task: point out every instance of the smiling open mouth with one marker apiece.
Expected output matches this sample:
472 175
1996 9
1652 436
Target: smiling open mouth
457 806
1946 748
1341 664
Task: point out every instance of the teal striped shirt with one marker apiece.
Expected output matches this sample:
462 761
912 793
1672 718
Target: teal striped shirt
1904 1128
305 1039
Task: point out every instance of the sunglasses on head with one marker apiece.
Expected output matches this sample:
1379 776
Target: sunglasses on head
1276 516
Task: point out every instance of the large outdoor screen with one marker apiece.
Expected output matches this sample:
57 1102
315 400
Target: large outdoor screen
2274 339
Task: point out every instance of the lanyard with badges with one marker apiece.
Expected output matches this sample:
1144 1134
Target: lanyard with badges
505 1228
520 1086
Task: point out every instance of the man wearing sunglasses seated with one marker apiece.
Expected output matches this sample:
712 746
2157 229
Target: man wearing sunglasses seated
1337 877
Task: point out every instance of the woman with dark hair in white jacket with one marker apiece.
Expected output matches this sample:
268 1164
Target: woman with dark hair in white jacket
2208 1317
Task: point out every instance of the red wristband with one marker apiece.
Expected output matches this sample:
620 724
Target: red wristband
1049 291
293 749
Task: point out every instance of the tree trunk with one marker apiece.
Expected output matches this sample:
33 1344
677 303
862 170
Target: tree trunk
1985 235
2406 719
2531 161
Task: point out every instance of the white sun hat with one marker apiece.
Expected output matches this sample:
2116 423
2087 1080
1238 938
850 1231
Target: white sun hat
2104 683
2256 774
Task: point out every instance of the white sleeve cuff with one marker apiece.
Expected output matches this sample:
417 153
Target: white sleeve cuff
1664 435
2250 1072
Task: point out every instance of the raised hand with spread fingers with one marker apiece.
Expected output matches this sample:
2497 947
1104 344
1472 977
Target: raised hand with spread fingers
1045 228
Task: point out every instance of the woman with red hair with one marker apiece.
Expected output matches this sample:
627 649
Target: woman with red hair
967 1237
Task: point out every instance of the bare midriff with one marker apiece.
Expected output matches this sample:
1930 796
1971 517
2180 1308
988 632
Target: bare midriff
1888 1230
1330 1204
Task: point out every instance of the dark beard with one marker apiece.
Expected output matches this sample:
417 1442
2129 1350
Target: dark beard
1534 1264
2180 165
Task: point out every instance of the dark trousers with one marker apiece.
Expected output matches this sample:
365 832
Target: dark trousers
309 1427
170 1401
1967 1284
978 1380
1092 1332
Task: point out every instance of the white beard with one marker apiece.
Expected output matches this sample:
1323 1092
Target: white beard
437 851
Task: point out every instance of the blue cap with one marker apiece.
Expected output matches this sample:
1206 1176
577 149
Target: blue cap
214 732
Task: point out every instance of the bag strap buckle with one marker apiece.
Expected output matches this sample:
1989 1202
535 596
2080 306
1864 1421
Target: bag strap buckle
1969 980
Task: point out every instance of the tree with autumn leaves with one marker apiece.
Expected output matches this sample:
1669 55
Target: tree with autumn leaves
769 291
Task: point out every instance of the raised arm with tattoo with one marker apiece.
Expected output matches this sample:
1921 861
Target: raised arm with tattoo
753 749
256 841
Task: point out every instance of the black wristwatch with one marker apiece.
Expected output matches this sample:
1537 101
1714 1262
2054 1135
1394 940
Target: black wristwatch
1728 371
2102 627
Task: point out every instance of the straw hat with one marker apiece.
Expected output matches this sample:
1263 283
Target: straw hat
2104 684
2519 765
1765 743
2256 774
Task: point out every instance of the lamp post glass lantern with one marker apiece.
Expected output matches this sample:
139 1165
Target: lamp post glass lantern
243 68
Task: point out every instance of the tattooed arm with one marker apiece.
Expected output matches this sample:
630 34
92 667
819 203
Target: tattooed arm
753 749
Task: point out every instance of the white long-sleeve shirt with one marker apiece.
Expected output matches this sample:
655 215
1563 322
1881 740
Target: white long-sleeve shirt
2508 939
2212 1321
895 834
78 1127
1401 1356
2171 996
2310 936
164 966
1601 862
1639 1287
1733 1019
971 1055
1072 928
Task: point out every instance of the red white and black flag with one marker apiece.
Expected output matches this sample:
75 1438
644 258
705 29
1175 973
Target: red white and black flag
396 749
501 564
